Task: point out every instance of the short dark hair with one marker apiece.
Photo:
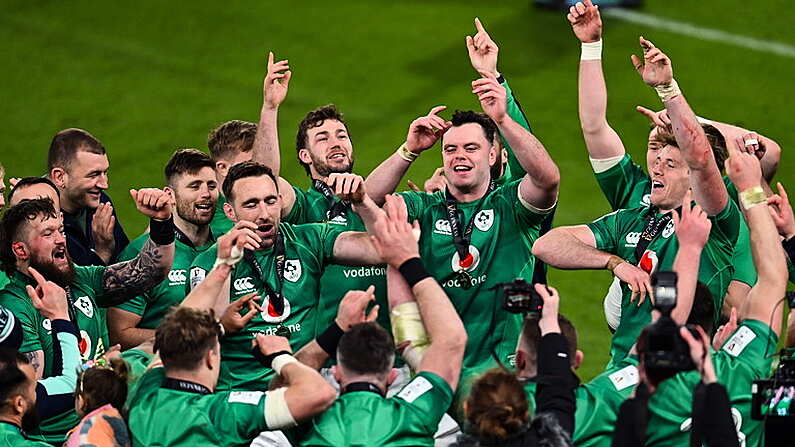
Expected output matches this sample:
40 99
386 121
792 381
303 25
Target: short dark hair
30 181
11 223
531 335
718 144
703 311
230 139
316 118
102 385
366 349
461 117
186 161
12 378
185 336
245 170
65 145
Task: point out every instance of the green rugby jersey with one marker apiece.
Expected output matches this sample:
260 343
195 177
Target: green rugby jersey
165 416
87 293
502 236
220 225
308 249
598 402
514 169
311 206
3 279
13 436
365 418
745 357
619 232
626 185
153 304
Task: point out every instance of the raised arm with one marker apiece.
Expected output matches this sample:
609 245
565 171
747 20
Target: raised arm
762 302
266 140
705 177
600 139
692 232
394 237
574 247
422 135
539 187
152 264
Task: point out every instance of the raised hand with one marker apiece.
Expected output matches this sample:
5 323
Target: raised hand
699 352
353 308
232 320
102 225
655 68
693 226
482 50
347 186
744 170
751 143
492 96
242 235
152 202
659 119
426 130
781 211
276 82
585 21
437 182
726 330
638 280
47 297
393 237
269 344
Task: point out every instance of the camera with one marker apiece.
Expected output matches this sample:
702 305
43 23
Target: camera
519 296
771 401
665 348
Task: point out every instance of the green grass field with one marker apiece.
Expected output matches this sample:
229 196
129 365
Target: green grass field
149 77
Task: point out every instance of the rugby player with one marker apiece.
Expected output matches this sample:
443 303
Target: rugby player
78 165
32 236
193 191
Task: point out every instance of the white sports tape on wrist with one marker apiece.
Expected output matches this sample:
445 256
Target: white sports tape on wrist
281 361
407 327
234 257
668 91
591 51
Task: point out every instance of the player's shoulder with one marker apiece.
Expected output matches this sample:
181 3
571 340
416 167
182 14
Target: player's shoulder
423 383
206 258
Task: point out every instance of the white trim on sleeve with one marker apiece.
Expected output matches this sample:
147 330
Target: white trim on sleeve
603 164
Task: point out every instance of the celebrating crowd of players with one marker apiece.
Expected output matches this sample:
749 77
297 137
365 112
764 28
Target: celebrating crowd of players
253 312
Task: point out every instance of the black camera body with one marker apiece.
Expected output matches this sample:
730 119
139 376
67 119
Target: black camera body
519 296
665 348
772 401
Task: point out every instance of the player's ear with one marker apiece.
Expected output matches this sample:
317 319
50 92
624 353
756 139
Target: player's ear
335 371
521 360
168 190
59 177
579 356
230 212
221 167
20 250
304 156
493 154
393 373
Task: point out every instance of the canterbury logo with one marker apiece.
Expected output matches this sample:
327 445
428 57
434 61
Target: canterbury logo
178 276
242 284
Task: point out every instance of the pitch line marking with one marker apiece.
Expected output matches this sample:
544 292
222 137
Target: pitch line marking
699 32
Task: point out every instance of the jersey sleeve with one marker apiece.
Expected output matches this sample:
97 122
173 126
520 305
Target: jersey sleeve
93 278
416 202
605 231
133 248
135 305
728 222
514 169
239 416
429 395
298 214
731 189
526 214
29 319
619 183
752 343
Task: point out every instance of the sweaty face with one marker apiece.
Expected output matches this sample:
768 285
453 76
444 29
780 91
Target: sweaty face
87 177
36 191
467 157
47 245
329 148
255 199
670 178
195 196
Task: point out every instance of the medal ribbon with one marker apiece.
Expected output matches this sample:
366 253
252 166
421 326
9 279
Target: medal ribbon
461 239
337 207
275 298
653 227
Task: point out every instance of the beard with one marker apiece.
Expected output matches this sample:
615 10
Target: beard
187 212
324 169
31 419
63 277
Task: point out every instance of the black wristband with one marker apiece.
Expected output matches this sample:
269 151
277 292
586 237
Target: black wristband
413 271
266 360
330 338
161 232
789 247
500 79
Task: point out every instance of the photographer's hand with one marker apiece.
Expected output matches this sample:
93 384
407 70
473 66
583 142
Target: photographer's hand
548 324
699 352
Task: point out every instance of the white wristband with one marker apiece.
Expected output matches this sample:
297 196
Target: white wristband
668 91
279 362
591 51
234 257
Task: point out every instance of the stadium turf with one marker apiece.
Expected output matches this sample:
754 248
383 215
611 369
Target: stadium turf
149 77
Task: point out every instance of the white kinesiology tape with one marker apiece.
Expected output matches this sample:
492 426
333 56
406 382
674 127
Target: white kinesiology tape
234 257
407 327
591 51
277 414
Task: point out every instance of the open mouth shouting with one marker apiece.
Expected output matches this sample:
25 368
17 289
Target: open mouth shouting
204 207
266 230
59 255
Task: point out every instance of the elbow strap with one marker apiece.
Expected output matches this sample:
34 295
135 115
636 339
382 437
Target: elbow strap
277 413
407 327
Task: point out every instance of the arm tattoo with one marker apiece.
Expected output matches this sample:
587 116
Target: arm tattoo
130 278
34 360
